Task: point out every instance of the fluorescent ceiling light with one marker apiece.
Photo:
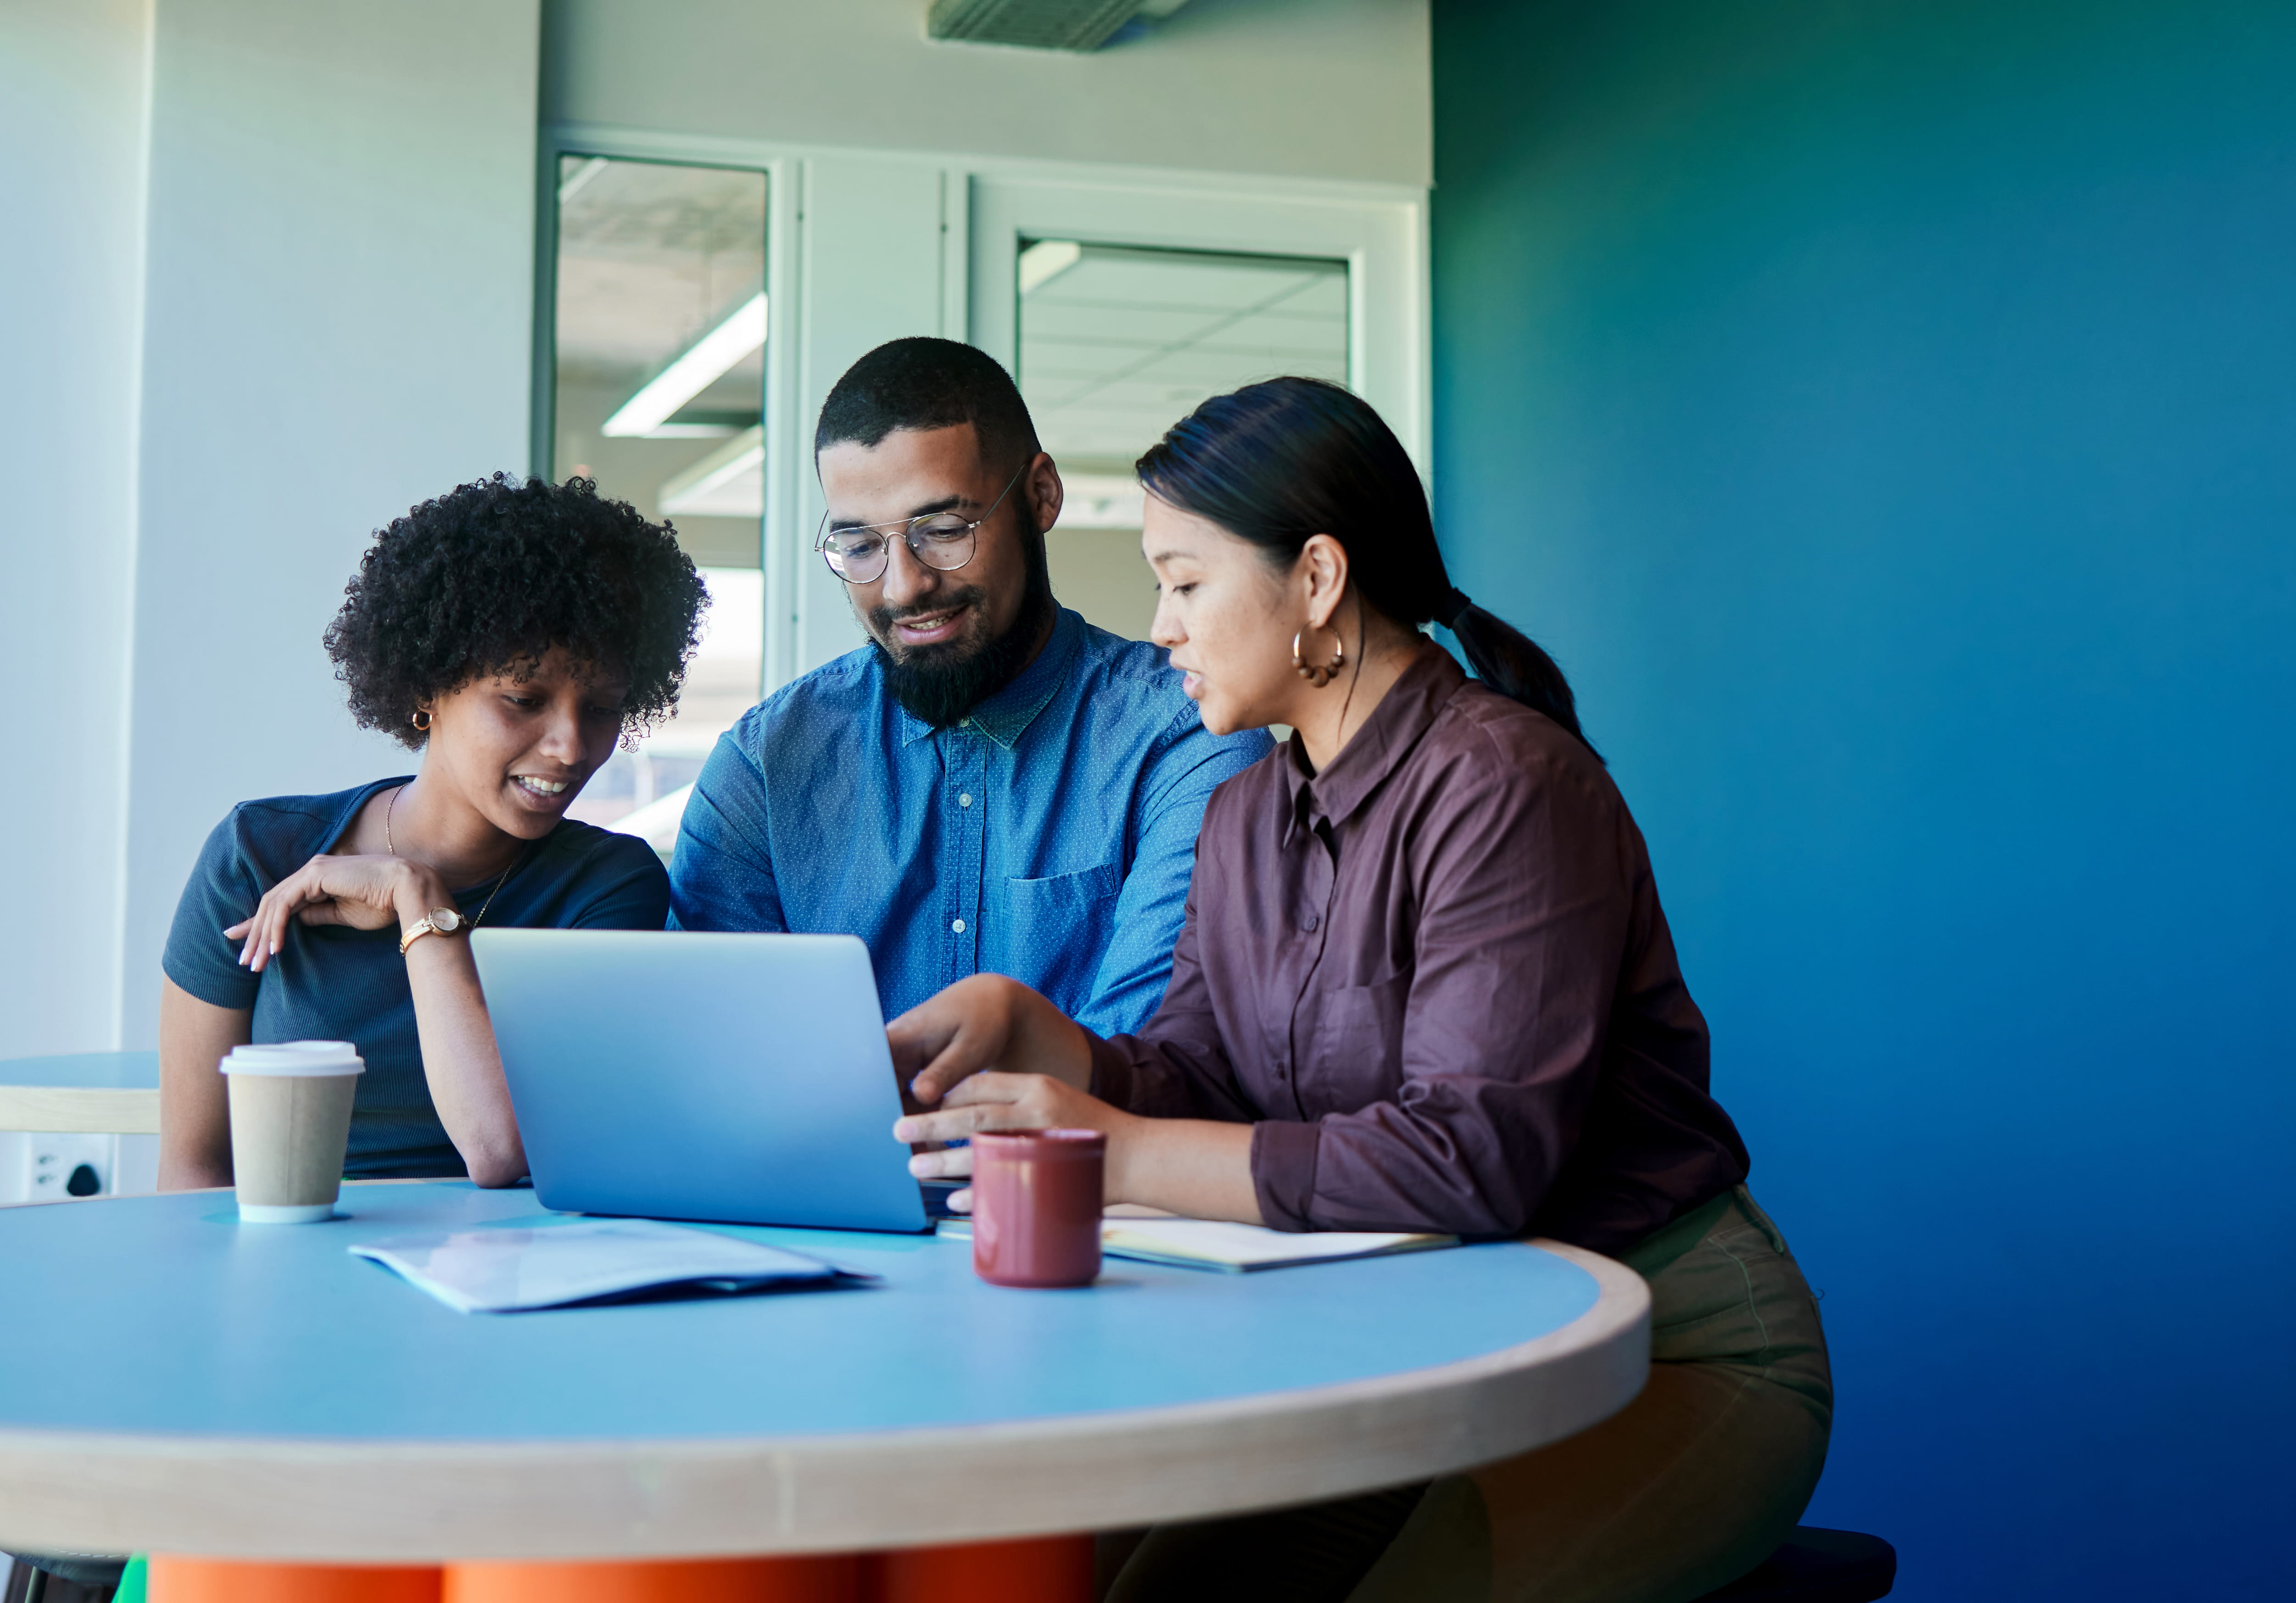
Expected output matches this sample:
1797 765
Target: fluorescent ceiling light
1046 260
730 482
579 177
708 360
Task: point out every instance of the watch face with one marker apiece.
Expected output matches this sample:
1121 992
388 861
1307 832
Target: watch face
445 920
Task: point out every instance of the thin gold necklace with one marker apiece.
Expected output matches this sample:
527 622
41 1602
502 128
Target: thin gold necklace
392 846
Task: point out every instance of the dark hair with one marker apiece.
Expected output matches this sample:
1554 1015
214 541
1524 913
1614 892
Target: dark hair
490 575
1277 461
926 383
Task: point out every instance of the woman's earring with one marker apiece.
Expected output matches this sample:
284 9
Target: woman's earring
1319 676
421 719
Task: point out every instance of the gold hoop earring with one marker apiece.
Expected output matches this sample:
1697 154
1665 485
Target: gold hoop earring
1319 676
421 720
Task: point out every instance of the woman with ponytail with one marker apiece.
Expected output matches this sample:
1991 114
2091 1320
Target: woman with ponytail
1425 984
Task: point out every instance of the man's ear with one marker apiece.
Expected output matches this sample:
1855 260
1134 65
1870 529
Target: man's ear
1041 481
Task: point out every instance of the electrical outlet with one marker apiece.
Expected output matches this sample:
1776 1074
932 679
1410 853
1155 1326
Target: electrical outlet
56 1166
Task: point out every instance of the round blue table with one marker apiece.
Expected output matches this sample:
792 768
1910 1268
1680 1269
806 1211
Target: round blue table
173 1380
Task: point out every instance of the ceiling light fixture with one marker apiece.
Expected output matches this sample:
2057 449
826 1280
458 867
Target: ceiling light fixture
1043 24
705 361
1046 260
730 482
576 181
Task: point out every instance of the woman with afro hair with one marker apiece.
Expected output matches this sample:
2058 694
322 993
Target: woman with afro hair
512 634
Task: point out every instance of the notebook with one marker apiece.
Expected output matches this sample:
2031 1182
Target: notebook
503 1269
1236 1249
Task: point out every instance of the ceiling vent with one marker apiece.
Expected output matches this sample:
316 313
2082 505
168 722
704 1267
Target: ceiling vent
1040 24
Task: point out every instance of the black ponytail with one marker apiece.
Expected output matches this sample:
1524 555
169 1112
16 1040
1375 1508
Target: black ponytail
1278 461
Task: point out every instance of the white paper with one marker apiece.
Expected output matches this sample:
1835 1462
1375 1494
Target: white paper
1218 1244
503 1270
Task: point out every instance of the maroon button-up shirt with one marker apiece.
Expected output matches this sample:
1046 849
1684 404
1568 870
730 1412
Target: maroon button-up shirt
1436 980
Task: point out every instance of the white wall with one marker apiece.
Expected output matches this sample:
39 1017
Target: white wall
339 323
1312 89
72 79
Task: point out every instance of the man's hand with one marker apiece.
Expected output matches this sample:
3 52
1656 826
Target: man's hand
985 1022
989 1053
992 1100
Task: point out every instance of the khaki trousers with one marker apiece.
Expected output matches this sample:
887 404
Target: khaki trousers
1688 1487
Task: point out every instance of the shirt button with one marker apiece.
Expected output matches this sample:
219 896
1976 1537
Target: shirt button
1310 923
958 926
964 798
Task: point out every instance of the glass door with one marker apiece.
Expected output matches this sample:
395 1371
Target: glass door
1118 342
1120 302
657 385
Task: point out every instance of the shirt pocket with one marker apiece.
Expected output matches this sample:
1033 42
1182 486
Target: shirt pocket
1354 1046
1061 928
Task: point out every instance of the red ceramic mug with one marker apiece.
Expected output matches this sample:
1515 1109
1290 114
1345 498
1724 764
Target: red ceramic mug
1036 1206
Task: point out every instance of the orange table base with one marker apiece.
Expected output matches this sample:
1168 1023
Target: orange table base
229 1581
1052 1569
829 1578
1049 1567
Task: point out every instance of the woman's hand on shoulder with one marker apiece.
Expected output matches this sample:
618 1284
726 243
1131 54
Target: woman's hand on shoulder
367 892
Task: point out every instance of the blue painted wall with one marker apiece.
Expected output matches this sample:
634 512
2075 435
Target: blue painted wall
1886 410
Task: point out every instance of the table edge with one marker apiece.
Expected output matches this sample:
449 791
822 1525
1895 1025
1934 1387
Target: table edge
70 1068
351 1500
80 1110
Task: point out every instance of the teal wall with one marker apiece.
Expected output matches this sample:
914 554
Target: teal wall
1886 410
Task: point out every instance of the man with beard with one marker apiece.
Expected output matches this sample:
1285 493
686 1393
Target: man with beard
991 784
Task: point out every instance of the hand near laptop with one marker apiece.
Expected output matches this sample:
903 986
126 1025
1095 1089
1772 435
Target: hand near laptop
989 1053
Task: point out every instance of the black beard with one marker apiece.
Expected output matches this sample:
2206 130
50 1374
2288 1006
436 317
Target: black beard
940 684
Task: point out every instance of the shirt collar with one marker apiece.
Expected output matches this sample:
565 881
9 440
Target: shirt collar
1005 715
1376 749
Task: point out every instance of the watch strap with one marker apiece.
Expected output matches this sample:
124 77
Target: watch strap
439 920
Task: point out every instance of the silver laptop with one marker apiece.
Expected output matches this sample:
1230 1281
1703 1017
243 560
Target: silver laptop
737 1078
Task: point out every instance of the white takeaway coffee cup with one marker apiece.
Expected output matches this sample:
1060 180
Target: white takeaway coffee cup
291 1124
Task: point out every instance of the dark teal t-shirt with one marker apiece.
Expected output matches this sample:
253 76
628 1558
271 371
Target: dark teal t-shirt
330 983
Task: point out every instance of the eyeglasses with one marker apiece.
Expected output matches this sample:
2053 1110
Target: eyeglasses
859 552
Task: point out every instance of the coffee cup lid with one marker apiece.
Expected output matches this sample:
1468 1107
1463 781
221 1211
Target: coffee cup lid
295 1058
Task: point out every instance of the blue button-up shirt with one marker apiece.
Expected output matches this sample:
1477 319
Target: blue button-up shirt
1048 837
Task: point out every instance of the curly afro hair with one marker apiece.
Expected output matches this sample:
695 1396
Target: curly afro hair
489 577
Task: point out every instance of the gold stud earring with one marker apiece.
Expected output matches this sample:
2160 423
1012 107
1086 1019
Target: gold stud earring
1319 676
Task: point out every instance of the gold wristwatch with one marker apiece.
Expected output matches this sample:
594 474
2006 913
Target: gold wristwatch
439 921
